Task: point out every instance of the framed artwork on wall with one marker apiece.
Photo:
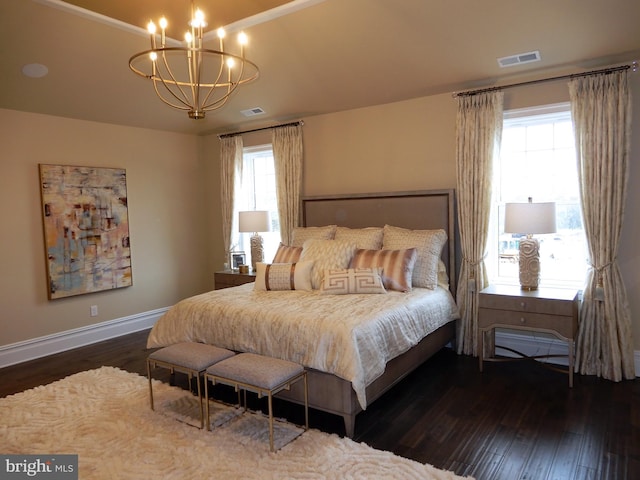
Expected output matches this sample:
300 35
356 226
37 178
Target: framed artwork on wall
86 229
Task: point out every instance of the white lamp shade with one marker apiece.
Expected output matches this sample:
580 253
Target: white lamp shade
530 218
254 221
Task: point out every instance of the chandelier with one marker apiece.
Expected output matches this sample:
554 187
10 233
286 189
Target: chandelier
191 77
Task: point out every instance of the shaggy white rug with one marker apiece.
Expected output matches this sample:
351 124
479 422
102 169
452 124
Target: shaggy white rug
103 416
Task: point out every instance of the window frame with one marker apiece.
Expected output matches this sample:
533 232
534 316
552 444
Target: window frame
530 116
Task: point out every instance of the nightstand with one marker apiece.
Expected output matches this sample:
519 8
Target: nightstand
546 310
229 278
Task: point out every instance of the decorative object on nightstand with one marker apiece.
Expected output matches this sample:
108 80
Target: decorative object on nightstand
255 221
530 219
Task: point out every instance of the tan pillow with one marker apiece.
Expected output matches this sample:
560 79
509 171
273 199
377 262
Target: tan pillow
302 234
397 266
369 237
352 280
326 255
286 254
429 244
283 276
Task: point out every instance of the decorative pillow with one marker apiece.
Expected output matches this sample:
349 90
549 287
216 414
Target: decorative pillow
443 276
397 266
352 280
326 255
286 254
302 234
283 276
368 238
429 244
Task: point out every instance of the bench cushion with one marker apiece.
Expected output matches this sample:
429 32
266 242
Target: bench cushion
256 370
191 355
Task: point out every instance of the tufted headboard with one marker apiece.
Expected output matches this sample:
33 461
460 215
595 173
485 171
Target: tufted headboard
418 210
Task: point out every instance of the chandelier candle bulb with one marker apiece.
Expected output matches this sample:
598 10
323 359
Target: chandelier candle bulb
198 85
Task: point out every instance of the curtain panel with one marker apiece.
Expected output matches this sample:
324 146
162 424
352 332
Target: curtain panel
478 136
601 109
230 178
288 157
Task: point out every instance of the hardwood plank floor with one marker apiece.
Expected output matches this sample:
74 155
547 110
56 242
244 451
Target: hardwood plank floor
514 421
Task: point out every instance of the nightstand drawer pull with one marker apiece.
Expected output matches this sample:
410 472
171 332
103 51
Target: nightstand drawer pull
523 305
522 320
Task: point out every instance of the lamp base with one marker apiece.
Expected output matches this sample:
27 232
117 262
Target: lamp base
257 250
529 263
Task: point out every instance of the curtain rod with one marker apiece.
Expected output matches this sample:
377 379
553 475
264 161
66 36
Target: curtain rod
633 65
226 135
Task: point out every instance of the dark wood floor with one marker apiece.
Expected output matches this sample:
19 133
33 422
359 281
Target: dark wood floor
514 421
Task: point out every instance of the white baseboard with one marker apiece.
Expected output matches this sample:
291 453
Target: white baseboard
78 337
541 345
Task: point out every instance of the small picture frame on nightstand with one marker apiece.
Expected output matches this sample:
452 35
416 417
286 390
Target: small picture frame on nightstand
237 259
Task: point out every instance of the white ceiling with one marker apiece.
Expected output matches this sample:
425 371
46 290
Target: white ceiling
315 56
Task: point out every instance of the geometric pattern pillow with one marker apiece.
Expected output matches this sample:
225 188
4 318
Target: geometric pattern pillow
286 254
428 243
369 238
302 234
283 276
397 266
326 255
352 280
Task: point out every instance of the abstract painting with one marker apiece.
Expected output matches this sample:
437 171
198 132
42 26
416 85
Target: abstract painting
86 229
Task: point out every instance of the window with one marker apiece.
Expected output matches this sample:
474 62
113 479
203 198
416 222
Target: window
537 160
258 192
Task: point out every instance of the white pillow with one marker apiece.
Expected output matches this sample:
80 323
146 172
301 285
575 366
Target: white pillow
326 255
369 238
283 276
429 244
342 281
302 234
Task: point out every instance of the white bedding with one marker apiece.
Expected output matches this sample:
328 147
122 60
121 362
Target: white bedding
351 336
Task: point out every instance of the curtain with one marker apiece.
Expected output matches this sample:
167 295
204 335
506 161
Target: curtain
601 109
287 155
478 134
230 177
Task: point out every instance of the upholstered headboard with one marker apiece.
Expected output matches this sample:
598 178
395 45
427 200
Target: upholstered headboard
419 210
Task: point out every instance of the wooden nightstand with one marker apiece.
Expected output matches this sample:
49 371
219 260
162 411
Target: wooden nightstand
548 310
228 278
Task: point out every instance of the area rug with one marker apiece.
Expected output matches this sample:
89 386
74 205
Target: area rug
103 416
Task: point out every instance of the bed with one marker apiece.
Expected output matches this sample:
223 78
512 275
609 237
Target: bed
355 346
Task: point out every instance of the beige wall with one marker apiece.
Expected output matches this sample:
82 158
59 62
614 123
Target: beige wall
173 193
167 212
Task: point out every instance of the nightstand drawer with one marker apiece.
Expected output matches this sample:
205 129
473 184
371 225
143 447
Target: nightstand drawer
528 304
563 325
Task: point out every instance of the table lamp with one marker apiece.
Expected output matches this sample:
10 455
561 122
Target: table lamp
530 219
255 221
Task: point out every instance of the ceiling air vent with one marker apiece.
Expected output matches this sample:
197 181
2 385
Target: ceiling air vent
519 59
252 111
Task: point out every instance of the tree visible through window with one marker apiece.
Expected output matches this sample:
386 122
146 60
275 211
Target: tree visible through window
258 192
537 160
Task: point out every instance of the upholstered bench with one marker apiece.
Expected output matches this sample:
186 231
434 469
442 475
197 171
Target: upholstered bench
259 374
190 358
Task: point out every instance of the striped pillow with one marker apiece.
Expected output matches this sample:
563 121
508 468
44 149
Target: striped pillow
283 276
397 266
343 281
286 254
